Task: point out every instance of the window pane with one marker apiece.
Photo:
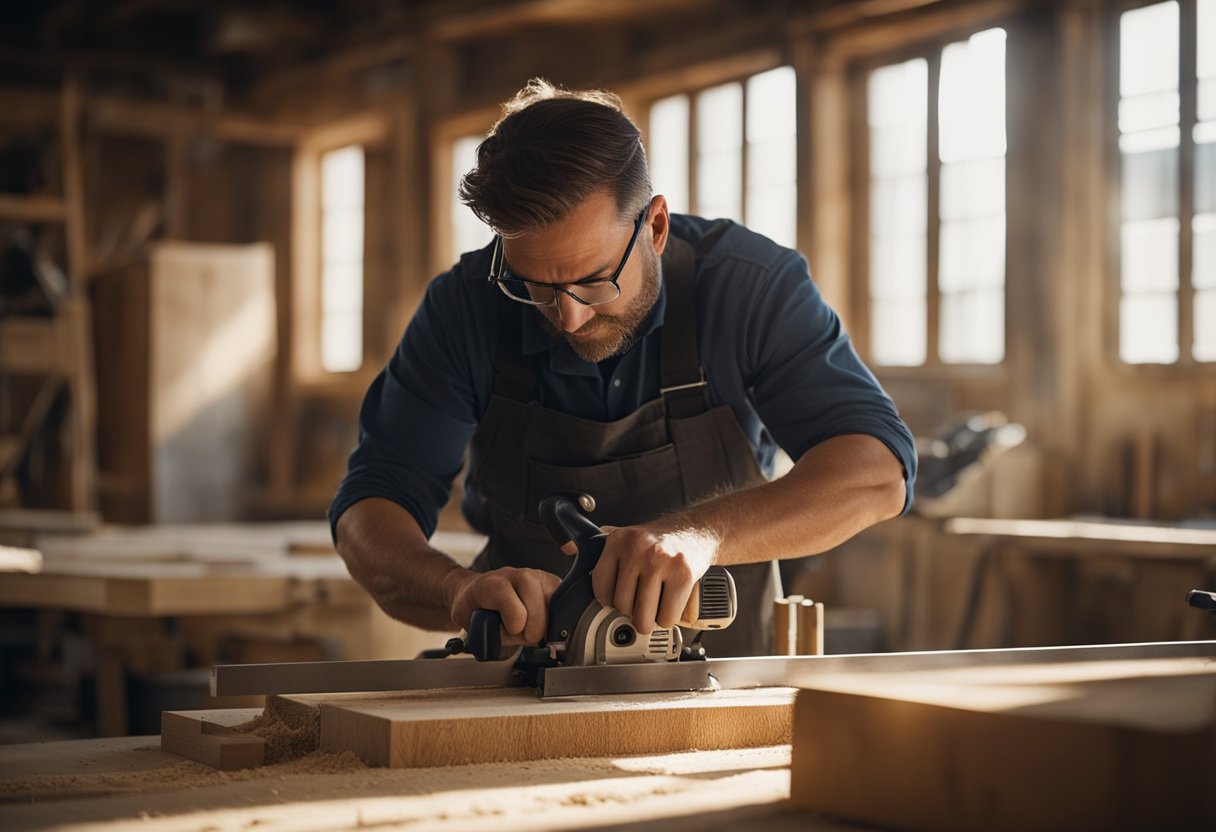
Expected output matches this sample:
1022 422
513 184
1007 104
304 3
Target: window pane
1147 112
1150 255
669 150
973 327
1150 184
898 94
973 189
341 288
342 236
720 118
1205 325
1205 173
771 104
898 115
1148 328
773 213
898 333
342 206
898 205
1207 100
897 268
971 108
468 232
1206 55
972 254
1148 49
1203 228
720 152
342 179
342 342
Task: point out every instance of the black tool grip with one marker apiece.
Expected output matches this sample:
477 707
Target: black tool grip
484 638
564 521
1201 600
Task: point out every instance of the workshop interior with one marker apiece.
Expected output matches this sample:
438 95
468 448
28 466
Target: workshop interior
217 220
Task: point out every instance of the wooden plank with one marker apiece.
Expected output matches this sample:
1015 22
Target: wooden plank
208 737
19 559
441 728
33 208
148 596
32 346
1121 744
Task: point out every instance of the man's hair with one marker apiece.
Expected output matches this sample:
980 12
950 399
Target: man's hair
551 150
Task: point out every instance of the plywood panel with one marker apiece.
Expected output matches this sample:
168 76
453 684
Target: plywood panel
1098 745
441 728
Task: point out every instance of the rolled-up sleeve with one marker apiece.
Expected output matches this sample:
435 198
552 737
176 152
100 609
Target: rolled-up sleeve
420 412
807 382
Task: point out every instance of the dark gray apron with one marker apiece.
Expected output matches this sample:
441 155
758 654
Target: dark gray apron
672 451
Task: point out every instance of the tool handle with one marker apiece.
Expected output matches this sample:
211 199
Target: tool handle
484 638
1201 600
561 513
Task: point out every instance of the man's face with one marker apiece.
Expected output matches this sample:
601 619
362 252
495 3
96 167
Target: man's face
590 242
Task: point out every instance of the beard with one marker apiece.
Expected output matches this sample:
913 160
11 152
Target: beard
613 334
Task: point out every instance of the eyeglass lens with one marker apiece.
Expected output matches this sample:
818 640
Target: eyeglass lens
589 293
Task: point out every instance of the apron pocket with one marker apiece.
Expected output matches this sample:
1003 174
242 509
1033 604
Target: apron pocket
626 491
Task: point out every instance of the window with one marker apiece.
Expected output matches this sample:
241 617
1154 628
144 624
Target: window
936 245
468 232
342 204
731 151
1167 235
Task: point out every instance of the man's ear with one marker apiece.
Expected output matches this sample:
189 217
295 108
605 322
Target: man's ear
659 223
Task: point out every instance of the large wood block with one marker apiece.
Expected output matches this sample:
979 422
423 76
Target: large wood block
1091 745
441 728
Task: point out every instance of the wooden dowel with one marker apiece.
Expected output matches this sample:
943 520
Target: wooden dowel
810 628
783 628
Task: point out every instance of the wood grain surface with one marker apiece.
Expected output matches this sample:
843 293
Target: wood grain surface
440 728
1115 745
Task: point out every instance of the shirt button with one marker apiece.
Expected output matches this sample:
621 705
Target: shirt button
616 382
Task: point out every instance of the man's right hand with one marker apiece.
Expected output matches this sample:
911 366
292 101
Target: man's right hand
521 596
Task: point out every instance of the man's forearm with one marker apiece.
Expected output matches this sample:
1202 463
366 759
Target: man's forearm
388 555
837 488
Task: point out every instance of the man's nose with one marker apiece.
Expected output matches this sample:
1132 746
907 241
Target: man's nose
573 313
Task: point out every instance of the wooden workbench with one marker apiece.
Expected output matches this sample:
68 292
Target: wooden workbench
98 784
162 599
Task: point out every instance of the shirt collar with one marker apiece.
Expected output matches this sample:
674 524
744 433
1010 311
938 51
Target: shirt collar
562 359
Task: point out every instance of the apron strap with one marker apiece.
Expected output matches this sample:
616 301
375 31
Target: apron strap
682 379
514 372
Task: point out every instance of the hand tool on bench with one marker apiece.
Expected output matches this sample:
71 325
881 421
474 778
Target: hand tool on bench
590 649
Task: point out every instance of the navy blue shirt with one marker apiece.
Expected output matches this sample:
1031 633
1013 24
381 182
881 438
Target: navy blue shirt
771 347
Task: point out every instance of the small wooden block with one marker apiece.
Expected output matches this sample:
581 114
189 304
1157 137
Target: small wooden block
442 728
207 737
1086 745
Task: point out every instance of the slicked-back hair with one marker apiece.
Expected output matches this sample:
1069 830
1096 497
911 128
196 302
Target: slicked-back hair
551 150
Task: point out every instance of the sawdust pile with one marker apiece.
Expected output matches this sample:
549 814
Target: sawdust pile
291 736
288 733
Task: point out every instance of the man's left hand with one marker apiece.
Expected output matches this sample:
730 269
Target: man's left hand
648 575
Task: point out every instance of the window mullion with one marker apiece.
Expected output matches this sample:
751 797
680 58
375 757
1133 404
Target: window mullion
933 216
1187 89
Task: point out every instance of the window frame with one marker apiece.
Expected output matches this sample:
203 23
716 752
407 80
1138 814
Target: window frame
370 130
858 72
1186 365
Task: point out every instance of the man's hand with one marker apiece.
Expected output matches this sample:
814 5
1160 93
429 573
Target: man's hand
649 575
521 596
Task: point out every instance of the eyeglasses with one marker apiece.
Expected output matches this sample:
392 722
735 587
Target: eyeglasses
590 291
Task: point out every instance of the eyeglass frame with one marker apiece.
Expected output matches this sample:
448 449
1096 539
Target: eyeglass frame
498 268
